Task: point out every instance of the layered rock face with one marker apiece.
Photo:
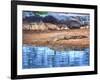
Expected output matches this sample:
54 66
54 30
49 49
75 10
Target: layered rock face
44 26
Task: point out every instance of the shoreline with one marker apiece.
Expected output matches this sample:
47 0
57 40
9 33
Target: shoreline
45 38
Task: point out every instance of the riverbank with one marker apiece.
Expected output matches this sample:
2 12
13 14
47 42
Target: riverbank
65 38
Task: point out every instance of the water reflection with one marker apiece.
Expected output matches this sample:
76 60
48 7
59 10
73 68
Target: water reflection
44 57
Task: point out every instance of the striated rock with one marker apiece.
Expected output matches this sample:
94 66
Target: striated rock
84 27
52 26
26 26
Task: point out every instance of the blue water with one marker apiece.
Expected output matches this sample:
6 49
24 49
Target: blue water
44 57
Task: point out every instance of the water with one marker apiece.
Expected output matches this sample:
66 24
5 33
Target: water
45 57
